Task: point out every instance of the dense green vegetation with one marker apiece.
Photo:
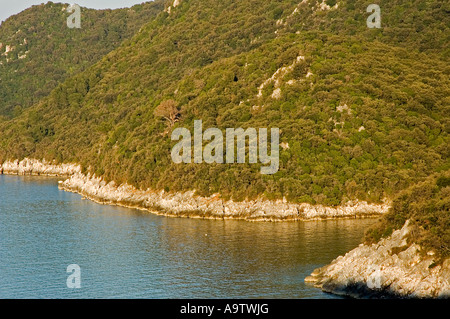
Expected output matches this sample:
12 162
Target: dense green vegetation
46 52
363 115
427 206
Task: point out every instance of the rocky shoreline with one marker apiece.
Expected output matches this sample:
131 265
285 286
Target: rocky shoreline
186 204
391 268
35 167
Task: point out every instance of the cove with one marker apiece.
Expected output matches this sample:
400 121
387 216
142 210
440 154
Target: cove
127 253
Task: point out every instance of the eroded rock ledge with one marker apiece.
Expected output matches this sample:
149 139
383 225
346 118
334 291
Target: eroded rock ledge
186 204
389 268
36 167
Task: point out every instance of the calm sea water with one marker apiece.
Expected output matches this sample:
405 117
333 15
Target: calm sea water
126 253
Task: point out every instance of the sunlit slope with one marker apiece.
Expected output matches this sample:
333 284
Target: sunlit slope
362 114
38 50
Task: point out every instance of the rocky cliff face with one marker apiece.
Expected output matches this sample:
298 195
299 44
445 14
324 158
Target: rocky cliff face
390 268
186 204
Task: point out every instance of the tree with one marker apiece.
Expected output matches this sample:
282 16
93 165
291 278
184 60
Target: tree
169 111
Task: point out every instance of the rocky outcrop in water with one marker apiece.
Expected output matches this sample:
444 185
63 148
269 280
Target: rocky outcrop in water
389 268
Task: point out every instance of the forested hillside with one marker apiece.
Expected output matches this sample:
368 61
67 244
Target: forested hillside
363 113
38 50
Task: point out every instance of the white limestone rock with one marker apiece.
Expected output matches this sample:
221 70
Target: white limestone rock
375 270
